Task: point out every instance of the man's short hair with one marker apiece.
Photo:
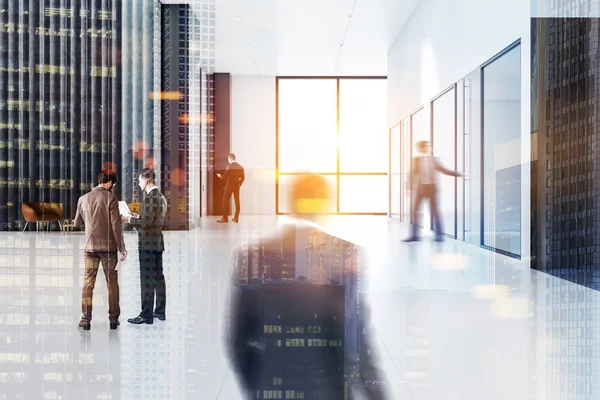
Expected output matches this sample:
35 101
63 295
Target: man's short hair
107 176
310 194
423 144
232 156
148 174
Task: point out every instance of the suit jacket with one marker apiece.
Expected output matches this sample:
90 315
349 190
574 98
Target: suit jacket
151 220
437 166
234 176
98 213
302 319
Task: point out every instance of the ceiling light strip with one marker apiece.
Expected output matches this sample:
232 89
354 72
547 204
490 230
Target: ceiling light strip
250 47
337 60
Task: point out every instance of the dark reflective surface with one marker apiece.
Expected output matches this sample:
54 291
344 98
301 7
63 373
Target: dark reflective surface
564 97
298 325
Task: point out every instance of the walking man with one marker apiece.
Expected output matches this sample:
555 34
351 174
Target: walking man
340 337
234 177
151 246
98 214
424 177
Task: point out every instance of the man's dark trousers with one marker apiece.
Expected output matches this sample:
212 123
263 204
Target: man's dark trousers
427 191
227 202
152 281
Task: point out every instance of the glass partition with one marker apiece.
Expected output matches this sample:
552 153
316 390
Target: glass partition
475 128
406 168
502 153
395 177
472 132
443 127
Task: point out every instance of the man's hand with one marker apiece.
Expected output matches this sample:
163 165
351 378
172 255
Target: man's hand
123 255
124 218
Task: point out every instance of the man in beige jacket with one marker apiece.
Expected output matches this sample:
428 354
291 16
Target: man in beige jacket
98 213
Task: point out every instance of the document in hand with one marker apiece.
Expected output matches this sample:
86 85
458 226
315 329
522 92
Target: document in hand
124 209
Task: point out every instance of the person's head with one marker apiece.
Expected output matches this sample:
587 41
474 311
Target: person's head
146 179
310 196
231 158
424 146
107 179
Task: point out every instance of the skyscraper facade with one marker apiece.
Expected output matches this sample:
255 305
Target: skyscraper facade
564 197
187 108
60 101
565 148
182 117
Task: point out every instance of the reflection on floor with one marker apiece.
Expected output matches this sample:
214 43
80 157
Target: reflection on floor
451 321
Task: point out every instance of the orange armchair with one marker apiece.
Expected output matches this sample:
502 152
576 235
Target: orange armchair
42 212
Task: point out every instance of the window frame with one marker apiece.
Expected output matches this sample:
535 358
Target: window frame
337 173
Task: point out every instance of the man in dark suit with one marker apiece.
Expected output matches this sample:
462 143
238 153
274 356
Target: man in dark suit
297 319
234 177
424 178
98 214
151 247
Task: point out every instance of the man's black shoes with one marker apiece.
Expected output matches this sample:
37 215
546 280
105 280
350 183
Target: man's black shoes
411 239
140 320
161 317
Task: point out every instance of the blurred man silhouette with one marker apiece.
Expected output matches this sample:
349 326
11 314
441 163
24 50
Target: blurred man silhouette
298 327
98 214
233 177
424 179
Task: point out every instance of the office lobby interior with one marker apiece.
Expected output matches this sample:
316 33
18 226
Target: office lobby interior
500 301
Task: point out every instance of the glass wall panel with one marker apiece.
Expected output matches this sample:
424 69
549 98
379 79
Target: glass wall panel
443 119
363 125
285 182
363 193
472 132
420 131
395 172
406 159
311 137
307 125
502 153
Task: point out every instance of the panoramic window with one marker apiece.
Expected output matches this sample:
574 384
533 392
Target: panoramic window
335 127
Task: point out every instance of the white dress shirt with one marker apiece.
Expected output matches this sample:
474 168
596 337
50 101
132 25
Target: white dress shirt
427 170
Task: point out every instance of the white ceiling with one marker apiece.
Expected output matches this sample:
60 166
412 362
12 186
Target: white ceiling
303 37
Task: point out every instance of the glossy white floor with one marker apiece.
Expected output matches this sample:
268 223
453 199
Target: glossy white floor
452 321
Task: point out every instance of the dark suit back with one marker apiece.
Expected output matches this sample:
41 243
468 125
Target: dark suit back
234 176
151 220
300 319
